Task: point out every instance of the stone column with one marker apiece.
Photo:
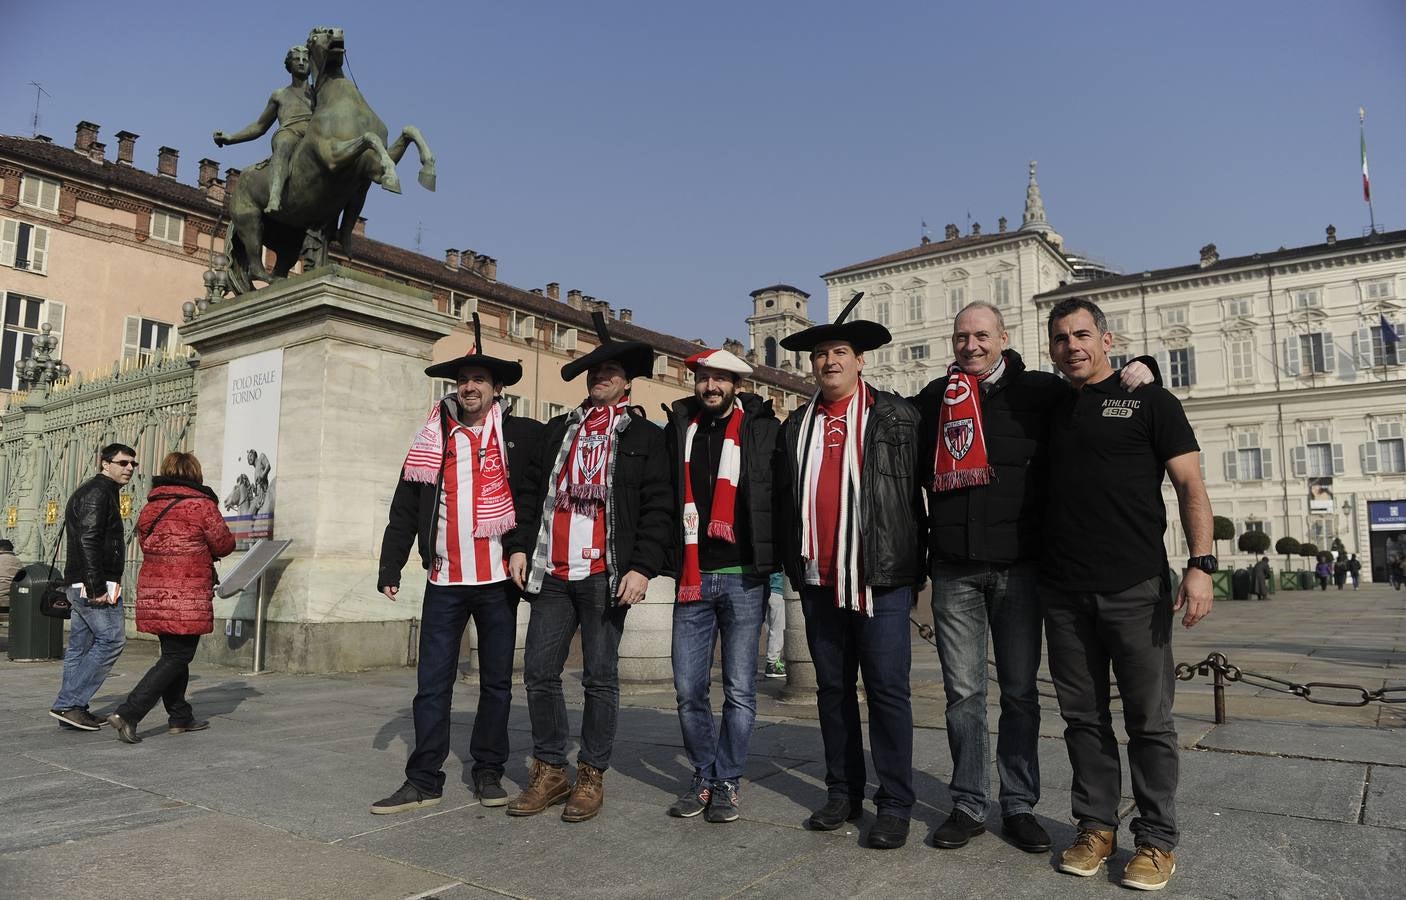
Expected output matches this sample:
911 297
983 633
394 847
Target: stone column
353 395
800 671
646 649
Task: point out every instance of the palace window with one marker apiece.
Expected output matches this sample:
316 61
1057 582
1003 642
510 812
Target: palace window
521 325
1306 299
1377 290
915 352
1307 354
167 226
23 318
144 339
1387 454
551 410
915 306
563 337
1001 290
956 299
881 312
1248 461
1116 360
1238 307
24 246
1319 457
1181 367
39 193
1242 358
1174 315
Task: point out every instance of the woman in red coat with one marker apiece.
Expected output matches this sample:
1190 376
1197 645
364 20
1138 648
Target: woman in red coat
182 534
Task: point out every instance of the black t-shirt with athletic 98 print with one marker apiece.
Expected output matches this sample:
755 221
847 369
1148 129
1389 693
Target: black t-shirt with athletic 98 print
1106 516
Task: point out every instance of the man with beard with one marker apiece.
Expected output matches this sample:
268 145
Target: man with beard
852 531
721 442
601 519
461 494
985 445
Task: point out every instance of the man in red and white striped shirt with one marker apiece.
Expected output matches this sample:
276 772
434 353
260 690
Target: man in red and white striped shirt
459 498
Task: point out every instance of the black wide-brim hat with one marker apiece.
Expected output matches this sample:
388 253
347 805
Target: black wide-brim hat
504 371
861 334
635 357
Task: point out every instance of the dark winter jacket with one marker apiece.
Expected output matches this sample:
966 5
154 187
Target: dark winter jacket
176 584
1001 522
639 508
755 510
892 526
93 529
414 513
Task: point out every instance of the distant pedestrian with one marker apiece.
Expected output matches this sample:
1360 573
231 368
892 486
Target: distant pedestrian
1397 572
1324 572
776 626
1262 574
182 534
1340 572
93 529
1354 570
9 567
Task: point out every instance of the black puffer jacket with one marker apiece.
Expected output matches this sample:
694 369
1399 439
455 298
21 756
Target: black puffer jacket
892 525
92 524
415 505
755 494
640 505
1002 522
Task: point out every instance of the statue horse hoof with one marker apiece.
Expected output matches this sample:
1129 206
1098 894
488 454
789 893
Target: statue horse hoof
427 176
391 182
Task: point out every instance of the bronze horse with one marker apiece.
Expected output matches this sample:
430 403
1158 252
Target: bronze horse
329 173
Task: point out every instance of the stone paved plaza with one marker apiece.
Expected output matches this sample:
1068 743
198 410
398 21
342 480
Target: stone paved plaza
1285 800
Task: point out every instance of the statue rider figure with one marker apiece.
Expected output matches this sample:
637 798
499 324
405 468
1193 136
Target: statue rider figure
291 107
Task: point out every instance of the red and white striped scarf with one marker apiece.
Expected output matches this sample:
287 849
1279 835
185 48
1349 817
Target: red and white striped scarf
492 500
583 482
850 592
721 524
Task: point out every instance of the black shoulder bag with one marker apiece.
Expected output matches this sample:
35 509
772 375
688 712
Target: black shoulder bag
54 602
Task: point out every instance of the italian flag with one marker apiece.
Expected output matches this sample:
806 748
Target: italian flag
1366 181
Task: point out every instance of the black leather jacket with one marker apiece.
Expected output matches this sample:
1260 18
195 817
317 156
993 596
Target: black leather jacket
415 505
92 524
756 494
893 525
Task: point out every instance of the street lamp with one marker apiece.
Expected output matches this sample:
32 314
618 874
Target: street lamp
42 369
216 279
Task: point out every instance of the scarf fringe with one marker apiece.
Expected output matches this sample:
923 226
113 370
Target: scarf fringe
722 531
962 478
496 527
421 474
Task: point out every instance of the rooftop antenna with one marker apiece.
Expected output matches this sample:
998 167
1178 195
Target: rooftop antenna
38 93
419 236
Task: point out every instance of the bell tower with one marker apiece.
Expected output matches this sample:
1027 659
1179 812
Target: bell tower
777 311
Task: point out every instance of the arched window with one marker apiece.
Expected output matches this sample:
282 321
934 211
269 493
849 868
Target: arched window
771 351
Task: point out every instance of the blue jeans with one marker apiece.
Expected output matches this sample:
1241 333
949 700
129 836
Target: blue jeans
445 614
557 611
1130 633
842 643
732 605
96 636
968 600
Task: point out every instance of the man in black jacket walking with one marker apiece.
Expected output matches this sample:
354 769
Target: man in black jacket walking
984 444
92 523
721 443
853 541
602 517
461 497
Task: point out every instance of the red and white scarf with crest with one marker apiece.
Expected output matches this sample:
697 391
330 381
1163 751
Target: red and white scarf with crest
960 460
582 483
721 524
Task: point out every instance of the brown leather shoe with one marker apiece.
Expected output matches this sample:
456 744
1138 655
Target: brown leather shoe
1150 869
548 785
588 795
1086 855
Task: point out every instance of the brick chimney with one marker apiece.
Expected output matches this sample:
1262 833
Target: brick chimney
925 241
490 268
976 229
553 290
87 132
451 258
97 151
166 158
209 172
359 229
232 179
950 232
573 299
627 315
1001 225
126 146
1209 256
1332 233
468 260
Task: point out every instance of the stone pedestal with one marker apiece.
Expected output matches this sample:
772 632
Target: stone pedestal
800 671
646 649
353 395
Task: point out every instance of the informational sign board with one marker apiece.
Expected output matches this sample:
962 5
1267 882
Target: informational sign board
251 567
250 472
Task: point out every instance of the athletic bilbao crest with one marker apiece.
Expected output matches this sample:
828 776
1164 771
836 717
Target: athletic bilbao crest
591 451
957 435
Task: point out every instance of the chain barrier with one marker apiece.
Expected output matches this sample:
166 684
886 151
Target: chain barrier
1324 693
926 633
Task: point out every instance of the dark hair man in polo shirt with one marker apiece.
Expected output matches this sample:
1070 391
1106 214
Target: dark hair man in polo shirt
1108 597
851 526
721 442
984 445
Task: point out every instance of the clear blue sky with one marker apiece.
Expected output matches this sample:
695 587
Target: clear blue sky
673 157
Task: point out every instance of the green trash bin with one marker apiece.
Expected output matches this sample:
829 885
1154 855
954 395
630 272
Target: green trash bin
33 635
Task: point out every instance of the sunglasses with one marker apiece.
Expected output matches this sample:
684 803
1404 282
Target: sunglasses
124 463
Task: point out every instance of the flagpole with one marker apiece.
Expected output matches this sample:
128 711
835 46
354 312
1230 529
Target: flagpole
1366 181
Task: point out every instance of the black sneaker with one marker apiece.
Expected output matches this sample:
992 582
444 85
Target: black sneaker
408 797
959 828
95 721
488 786
722 805
78 719
1025 832
835 813
692 801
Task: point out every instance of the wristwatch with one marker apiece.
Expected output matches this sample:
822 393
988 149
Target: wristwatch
1205 563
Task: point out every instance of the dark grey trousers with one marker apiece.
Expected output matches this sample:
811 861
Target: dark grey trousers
1131 632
